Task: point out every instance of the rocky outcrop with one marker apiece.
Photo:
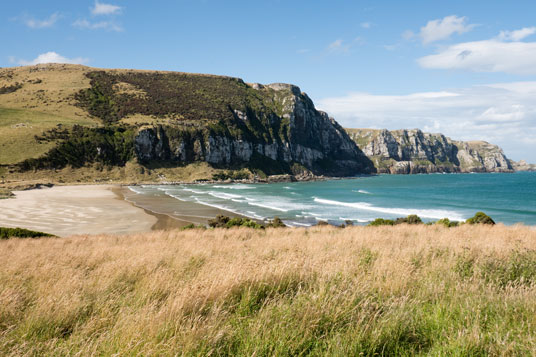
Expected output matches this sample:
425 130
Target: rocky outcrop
273 140
413 151
522 165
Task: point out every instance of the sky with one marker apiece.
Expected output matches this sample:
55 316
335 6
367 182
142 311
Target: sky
466 69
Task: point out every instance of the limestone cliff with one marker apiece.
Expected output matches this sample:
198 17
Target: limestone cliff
300 135
413 151
522 165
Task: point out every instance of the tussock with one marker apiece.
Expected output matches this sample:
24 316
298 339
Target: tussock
325 290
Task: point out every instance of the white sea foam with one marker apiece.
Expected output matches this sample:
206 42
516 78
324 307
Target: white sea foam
425 213
223 195
362 191
194 191
275 208
135 190
294 224
235 187
355 219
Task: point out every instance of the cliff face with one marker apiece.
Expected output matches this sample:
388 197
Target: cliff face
412 151
300 135
522 165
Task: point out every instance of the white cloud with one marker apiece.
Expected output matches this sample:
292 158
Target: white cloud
100 25
517 35
440 29
408 35
485 56
502 113
39 24
338 46
52 57
366 25
105 9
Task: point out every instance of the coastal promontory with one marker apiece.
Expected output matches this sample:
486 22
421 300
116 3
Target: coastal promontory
83 123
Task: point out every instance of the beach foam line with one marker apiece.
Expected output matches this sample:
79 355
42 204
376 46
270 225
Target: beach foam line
223 195
425 213
235 187
297 224
194 191
359 220
253 203
139 192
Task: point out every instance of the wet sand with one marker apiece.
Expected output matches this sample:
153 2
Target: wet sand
171 212
95 209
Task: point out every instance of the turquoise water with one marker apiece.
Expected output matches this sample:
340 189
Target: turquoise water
507 198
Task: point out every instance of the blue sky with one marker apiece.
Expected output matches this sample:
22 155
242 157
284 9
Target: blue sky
464 68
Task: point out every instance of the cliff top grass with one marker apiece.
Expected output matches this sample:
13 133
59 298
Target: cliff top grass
402 290
19 127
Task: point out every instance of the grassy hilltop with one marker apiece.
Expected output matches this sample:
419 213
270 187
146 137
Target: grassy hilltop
403 290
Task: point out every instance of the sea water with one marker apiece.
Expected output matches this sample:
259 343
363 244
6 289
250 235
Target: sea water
507 198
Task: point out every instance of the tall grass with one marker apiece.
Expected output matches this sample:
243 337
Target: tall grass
400 290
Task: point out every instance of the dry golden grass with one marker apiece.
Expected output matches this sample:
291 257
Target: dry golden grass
46 88
371 290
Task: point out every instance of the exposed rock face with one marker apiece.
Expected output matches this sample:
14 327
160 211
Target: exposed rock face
522 165
296 134
412 151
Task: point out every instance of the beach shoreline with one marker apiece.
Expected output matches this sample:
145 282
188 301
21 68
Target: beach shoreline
66 210
74 210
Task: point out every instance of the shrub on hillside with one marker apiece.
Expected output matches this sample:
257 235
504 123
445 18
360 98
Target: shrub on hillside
447 222
276 223
382 222
480 218
411 219
222 221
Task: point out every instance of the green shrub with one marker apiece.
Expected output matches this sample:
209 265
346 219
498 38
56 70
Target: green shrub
411 219
447 223
276 223
382 222
231 175
322 223
6 233
222 221
192 226
480 218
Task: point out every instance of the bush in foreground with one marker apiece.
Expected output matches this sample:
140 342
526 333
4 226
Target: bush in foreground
407 290
480 218
6 233
222 221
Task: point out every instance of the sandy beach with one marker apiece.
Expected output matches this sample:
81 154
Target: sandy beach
70 210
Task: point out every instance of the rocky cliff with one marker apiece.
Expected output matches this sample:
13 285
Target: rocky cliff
522 165
299 135
174 119
413 151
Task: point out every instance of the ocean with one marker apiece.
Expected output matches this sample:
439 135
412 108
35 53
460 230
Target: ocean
507 198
